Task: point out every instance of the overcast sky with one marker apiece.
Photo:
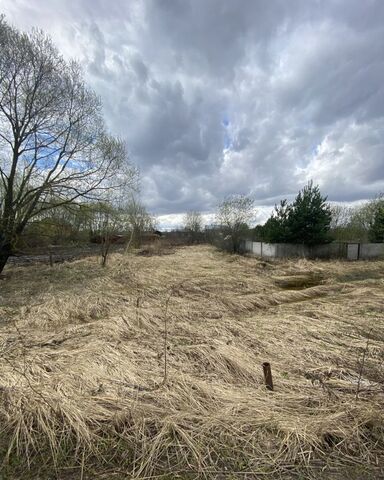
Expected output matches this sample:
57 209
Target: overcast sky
219 97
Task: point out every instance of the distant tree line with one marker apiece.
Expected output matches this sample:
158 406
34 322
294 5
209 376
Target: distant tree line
363 223
82 222
309 220
306 220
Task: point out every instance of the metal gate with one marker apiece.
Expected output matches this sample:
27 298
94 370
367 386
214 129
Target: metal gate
353 251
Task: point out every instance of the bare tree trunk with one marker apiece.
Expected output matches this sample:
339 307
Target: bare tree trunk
105 244
127 247
5 253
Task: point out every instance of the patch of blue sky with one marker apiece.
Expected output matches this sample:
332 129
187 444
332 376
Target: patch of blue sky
225 122
228 142
315 150
49 158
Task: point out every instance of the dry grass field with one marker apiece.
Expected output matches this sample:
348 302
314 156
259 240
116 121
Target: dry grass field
83 390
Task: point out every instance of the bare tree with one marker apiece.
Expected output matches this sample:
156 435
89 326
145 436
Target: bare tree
54 149
234 215
341 216
357 223
193 223
137 221
110 225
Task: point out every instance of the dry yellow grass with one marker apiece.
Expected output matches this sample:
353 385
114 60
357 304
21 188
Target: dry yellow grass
82 391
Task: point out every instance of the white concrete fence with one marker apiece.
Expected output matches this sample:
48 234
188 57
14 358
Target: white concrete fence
350 251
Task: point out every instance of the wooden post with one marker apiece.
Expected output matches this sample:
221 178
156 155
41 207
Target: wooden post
268 375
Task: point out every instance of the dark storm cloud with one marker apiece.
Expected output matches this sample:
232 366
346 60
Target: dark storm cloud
217 97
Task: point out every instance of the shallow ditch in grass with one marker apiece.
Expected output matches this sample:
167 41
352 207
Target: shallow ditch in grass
300 281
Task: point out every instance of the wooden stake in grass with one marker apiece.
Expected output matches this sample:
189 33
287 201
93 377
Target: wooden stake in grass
138 312
268 375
